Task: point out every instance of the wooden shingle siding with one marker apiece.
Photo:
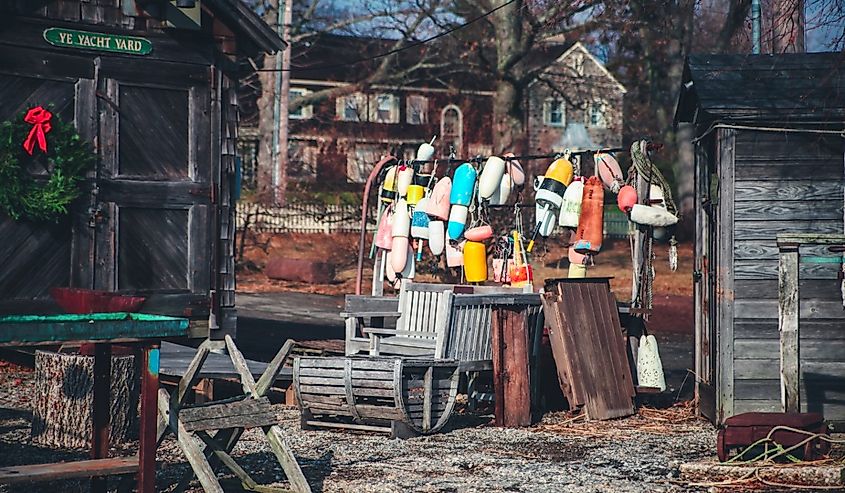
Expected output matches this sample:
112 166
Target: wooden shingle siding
787 183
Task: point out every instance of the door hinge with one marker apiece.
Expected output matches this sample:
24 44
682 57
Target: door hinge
696 276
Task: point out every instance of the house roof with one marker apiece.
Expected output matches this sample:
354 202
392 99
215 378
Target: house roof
330 57
569 48
245 22
797 87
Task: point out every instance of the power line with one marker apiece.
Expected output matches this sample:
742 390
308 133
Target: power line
393 51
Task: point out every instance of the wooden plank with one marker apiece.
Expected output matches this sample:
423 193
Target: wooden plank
254 420
811 350
804 210
768 269
190 448
789 190
766 230
788 309
768 250
821 169
809 309
725 306
320 381
321 389
822 329
345 426
815 238
768 369
427 399
68 470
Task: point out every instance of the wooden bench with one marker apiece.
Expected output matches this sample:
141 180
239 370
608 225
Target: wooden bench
80 469
444 321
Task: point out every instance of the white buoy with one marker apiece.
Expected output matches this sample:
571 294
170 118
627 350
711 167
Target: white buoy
436 237
491 177
404 178
570 210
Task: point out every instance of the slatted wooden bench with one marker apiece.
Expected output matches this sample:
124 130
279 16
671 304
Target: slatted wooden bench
400 396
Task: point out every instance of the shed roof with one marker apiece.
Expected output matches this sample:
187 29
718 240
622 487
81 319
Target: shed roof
795 87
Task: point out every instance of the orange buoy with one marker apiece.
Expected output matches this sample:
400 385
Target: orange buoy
589 235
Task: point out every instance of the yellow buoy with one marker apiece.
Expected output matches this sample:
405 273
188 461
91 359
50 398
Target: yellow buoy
475 261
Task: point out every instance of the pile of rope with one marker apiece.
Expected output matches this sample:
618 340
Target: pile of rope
766 461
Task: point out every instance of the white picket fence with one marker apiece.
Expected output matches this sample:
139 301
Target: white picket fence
319 218
301 218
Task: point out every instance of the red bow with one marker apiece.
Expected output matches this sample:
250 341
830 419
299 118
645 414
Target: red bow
39 118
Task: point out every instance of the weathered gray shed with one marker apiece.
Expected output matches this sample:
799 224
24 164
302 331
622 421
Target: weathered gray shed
156 214
768 161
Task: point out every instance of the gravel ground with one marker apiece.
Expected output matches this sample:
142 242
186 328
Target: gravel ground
637 454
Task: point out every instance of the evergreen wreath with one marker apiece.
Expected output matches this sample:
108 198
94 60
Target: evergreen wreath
47 144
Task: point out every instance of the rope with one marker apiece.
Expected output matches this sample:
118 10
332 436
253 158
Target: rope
820 131
642 165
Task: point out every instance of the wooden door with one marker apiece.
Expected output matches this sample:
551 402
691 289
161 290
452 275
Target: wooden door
155 192
39 255
705 280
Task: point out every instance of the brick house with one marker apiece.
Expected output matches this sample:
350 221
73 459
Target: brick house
335 142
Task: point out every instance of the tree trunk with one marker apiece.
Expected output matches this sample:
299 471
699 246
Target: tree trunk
62 411
788 26
509 130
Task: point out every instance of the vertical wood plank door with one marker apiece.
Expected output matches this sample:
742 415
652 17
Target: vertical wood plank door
38 255
155 192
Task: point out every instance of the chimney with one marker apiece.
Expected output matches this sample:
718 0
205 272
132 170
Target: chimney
788 26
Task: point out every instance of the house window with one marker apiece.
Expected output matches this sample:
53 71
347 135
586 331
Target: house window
554 113
452 129
352 108
384 108
248 150
416 110
302 160
302 112
360 160
597 115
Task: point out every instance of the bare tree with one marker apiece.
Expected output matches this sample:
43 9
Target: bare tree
407 22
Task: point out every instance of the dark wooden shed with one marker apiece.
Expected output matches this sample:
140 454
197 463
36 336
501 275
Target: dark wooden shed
156 216
768 161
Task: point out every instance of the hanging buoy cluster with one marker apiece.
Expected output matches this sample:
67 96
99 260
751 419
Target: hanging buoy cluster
450 213
447 213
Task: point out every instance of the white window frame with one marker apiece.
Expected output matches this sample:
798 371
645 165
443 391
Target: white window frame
306 111
393 111
360 102
422 104
605 123
547 112
460 126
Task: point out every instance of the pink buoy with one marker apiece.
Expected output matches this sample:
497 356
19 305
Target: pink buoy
438 202
384 235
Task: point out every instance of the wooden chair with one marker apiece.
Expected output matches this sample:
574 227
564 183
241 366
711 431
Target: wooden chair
422 315
192 425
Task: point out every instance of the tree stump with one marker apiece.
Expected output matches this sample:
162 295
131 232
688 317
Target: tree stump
62 411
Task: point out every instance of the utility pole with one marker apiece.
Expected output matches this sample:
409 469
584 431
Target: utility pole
281 94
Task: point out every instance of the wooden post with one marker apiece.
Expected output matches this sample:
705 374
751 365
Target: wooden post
102 399
788 314
511 380
148 431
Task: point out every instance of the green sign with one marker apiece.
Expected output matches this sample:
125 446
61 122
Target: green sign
69 38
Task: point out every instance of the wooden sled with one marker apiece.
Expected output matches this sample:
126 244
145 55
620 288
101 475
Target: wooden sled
404 397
